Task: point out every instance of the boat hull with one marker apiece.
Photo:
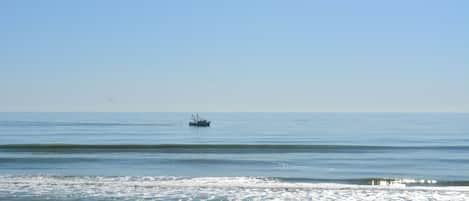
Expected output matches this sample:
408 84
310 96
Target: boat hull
199 124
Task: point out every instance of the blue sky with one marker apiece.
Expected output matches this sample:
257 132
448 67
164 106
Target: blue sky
303 56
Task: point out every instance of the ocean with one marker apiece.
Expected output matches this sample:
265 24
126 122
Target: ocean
242 156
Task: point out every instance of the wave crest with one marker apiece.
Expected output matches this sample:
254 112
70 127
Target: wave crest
209 188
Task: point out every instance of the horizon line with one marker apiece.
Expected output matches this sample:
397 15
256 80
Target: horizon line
234 112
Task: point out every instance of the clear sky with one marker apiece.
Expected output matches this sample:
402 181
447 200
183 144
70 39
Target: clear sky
239 55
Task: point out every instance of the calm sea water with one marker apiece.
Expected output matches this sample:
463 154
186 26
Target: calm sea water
243 156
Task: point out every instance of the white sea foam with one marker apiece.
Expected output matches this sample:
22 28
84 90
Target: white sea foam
213 188
401 182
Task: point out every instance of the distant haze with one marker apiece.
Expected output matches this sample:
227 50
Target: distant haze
301 56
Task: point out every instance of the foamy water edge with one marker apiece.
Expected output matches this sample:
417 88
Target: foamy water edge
212 188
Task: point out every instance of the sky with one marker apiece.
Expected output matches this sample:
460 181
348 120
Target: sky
234 56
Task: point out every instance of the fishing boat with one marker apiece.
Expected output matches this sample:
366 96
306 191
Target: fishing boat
197 121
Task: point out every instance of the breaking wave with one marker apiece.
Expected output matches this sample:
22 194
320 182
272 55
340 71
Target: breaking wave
215 188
